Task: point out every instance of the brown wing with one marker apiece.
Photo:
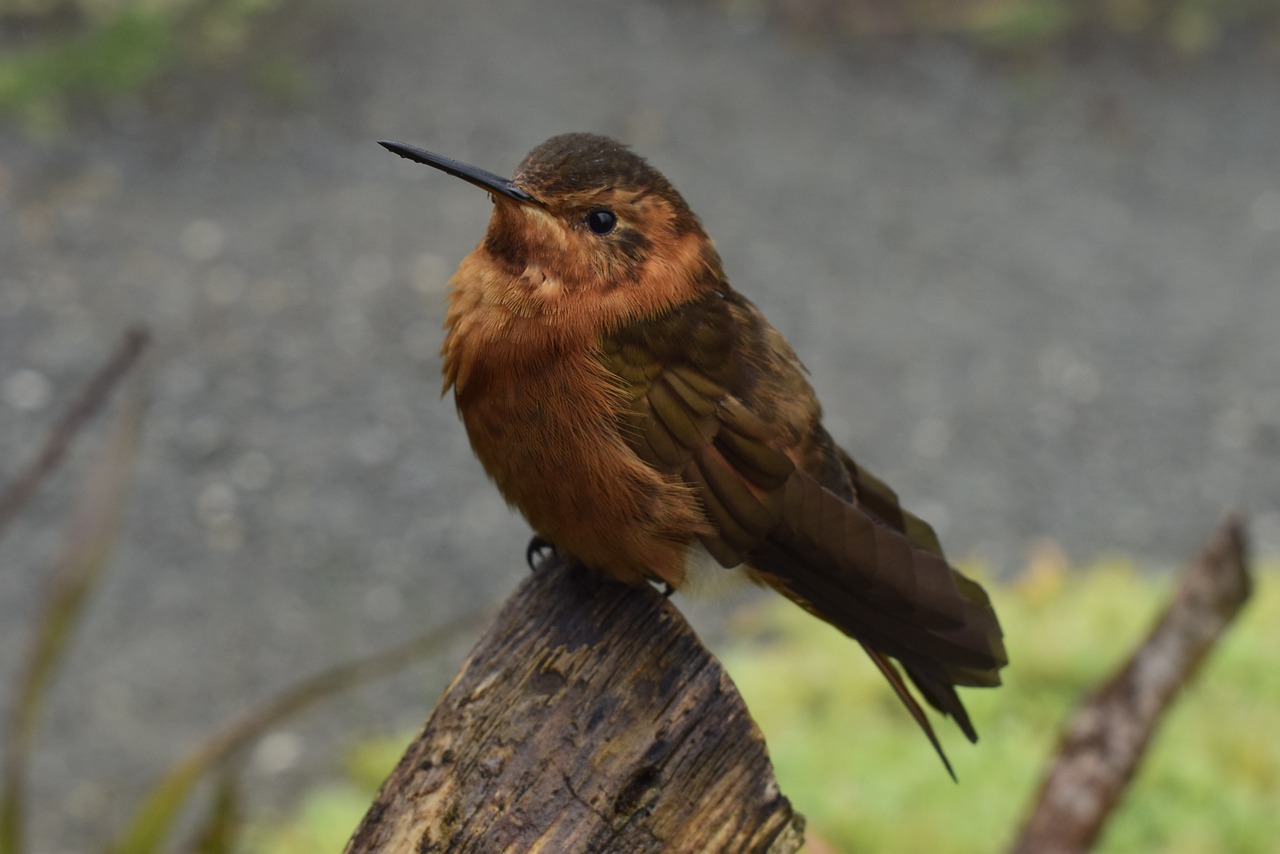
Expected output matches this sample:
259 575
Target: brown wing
719 400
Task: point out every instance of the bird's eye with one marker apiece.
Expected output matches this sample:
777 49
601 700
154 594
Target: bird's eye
601 221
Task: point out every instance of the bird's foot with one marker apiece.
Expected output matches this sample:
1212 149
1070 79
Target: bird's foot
539 551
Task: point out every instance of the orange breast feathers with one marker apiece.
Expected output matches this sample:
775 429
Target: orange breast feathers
543 417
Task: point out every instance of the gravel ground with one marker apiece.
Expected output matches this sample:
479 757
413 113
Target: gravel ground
1042 305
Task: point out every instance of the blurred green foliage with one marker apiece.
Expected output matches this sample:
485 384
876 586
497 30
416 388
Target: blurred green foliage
855 765
853 762
1027 28
55 53
1184 27
329 814
116 57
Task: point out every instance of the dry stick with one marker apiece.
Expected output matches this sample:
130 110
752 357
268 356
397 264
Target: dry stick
1105 741
64 432
588 718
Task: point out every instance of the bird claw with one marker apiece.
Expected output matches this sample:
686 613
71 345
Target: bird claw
538 552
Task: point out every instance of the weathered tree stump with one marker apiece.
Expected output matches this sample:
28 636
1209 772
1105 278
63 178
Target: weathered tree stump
588 718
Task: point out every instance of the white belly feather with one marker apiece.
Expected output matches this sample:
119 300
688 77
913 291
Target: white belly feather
705 578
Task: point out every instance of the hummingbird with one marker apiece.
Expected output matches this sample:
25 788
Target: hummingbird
647 419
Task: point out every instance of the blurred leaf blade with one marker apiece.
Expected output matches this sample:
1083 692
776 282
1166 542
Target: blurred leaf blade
221 826
88 545
158 813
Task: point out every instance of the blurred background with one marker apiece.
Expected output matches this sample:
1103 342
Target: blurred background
1030 252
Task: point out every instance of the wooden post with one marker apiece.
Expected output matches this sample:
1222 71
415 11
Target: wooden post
588 718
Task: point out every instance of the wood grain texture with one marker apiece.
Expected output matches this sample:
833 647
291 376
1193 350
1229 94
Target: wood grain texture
588 718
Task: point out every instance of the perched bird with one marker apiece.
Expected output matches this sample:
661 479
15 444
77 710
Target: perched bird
647 419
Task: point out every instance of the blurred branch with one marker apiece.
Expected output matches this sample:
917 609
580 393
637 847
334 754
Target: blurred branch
91 399
1106 740
89 541
154 819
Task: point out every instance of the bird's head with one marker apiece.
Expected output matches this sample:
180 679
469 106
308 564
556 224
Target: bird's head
585 223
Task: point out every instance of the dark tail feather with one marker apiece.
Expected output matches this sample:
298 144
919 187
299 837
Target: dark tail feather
904 694
879 500
940 694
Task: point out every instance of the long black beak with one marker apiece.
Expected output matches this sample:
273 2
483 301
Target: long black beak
471 174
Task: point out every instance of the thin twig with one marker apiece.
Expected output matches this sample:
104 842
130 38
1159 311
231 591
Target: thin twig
91 399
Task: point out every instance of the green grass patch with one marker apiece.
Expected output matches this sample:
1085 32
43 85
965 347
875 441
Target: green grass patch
854 763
